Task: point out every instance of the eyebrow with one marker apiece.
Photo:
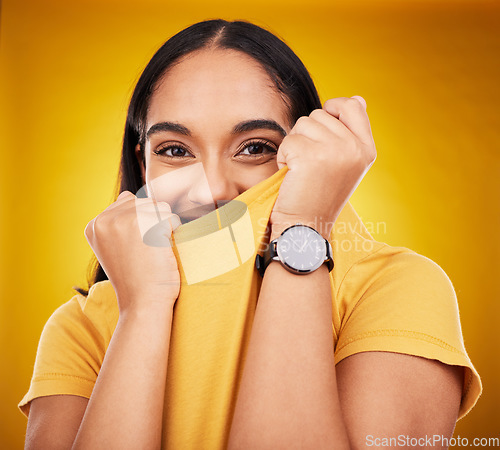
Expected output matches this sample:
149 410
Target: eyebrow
247 125
258 124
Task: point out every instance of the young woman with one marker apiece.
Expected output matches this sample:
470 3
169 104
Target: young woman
181 342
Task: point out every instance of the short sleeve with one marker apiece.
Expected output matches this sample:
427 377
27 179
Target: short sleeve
404 303
69 356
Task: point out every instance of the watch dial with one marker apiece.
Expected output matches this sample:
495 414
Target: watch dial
301 248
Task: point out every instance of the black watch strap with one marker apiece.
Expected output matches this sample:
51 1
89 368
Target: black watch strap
261 262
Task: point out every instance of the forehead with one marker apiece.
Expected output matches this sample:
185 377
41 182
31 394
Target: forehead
214 87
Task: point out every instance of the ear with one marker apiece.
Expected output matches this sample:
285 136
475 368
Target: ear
140 158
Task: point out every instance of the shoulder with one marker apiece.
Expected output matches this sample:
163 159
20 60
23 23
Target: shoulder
98 311
82 325
365 267
100 307
397 277
396 300
397 292
72 345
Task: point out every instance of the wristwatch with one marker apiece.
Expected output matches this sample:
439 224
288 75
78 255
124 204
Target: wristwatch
300 249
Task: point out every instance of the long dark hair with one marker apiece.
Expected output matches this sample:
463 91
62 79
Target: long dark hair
284 67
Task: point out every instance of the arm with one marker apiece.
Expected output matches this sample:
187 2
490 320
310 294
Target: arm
288 392
125 409
288 395
385 394
292 396
126 406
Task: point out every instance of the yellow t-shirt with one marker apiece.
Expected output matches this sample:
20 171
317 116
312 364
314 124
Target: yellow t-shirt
385 298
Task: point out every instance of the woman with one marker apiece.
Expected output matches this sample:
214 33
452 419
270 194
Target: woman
180 343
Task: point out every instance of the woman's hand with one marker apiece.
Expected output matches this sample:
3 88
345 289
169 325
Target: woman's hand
144 276
327 154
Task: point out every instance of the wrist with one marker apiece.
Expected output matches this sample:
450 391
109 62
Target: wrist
301 248
151 312
279 226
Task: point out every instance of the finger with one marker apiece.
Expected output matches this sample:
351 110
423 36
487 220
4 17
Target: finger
315 130
361 99
161 209
331 123
150 213
124 197
146 204
158 233
352 113
290 148
137 206
89 232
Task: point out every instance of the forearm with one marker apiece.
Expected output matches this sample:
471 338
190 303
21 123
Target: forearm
288 393
126 406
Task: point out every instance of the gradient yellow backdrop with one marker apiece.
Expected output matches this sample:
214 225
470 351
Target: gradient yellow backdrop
428 70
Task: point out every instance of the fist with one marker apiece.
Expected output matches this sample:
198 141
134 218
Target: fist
327 154
144 275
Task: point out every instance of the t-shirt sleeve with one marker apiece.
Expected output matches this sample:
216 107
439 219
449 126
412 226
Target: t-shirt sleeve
69 356
404 303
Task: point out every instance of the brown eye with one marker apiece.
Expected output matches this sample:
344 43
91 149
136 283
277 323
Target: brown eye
177 151
173 151
257 149
254 149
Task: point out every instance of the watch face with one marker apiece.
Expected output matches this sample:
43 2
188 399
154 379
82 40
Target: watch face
301 248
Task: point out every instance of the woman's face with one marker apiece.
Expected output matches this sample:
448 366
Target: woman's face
213 128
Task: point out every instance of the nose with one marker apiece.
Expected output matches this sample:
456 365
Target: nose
214 186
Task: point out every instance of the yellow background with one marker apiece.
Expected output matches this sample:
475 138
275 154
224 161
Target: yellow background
428 70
